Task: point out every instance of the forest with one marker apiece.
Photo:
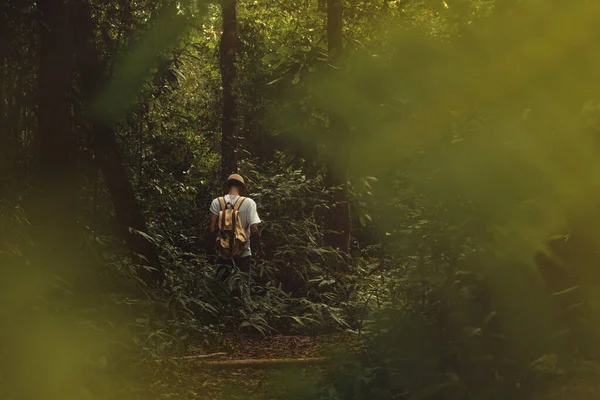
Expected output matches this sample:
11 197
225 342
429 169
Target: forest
426 173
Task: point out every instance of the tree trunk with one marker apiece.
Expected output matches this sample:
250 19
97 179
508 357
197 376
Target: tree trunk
338 219
15 117
5 144
56 139
107 155
127 211
227 56
51 206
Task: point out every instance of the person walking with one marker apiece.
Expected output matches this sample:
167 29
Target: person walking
234 234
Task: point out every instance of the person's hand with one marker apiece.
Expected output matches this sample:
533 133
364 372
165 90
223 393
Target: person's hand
260 253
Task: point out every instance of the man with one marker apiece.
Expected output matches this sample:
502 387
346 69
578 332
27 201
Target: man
235 187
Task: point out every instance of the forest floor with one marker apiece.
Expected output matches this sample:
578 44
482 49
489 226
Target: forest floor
580 389
196 380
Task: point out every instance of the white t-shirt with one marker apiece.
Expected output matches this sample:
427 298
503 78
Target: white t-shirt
248 216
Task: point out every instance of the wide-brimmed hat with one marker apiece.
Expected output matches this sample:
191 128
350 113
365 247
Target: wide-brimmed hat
236 178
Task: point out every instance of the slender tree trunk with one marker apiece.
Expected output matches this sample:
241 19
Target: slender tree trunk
107 155
127 210
5 144
51 207
56 144
56 138
338 218
227 57
334 29
20 113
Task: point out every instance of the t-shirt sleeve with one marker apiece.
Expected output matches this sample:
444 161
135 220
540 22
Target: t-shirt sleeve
253 217
215 207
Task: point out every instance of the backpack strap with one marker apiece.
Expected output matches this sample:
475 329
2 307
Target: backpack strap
223 207
236 208
222 203
238 203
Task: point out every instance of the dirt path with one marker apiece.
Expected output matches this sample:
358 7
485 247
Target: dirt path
193 381
282 346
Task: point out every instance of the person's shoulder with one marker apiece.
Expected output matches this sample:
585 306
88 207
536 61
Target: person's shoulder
249 200
215 202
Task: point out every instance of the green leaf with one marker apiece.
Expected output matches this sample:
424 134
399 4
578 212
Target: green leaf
144 235
489 317
275 80
566 291
135 68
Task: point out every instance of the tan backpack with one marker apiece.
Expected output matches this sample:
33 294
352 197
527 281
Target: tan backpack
231 236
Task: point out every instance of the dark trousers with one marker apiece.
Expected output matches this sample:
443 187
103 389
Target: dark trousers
226 266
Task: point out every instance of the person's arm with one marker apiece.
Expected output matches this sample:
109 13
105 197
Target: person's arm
212 233
253 221
213 223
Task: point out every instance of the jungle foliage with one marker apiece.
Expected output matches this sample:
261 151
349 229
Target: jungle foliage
426 172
